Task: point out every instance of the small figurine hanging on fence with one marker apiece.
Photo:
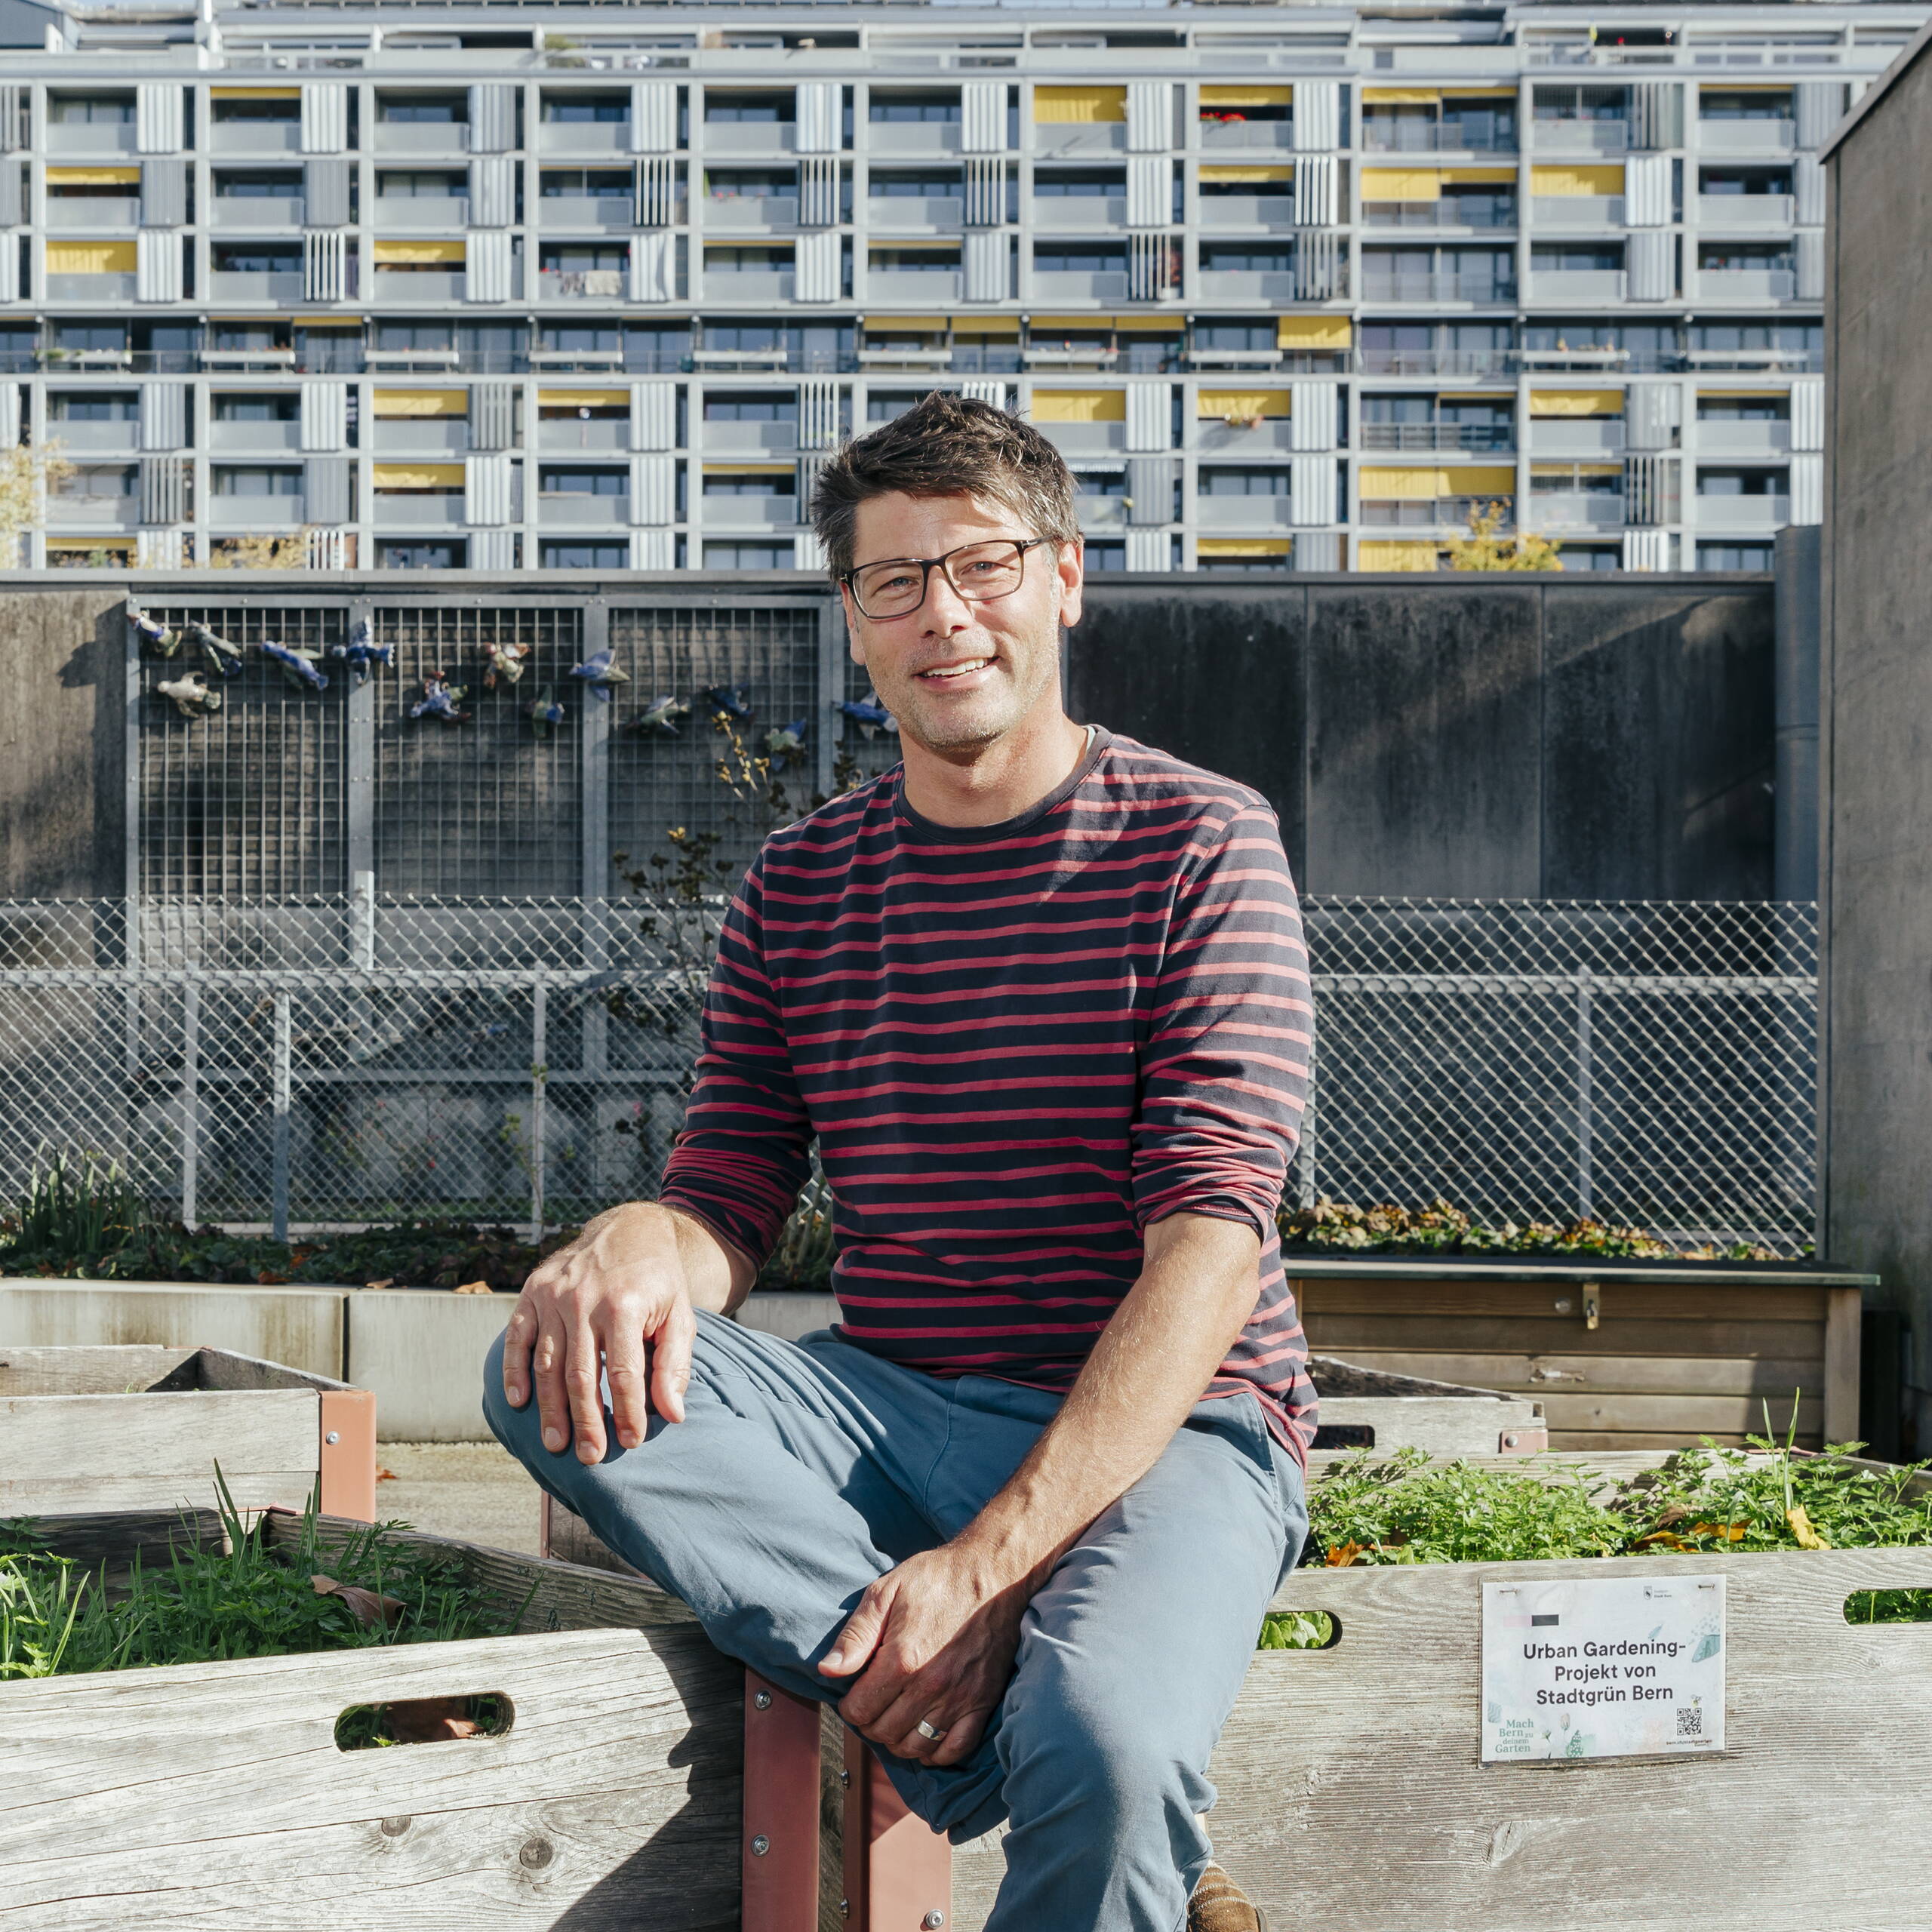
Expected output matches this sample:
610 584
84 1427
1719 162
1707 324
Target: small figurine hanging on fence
731 701
505 661
441 700
162 639
785 742
220 656
871 717
190 696
543 711
300 667
361 652
662 714
602 673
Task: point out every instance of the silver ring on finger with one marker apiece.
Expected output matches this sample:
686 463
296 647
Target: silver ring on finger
926 1731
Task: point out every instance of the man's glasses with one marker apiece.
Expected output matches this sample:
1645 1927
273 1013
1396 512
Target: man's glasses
979 572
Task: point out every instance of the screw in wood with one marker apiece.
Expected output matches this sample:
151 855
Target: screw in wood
760 1845
932 1921
332 1437
394 1828
760 1700
535 1854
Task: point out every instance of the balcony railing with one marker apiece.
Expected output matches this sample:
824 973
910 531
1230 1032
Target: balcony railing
230 139
891 140
438 214
1385 287
89 137
1426 514
1245 285
1058 140
420 436
109 286
580 285
1752 136
66 514
437 509
603 433
253 438
1747 514
759 513
77 438
245 515
1554 510
1220 213
1487 436
1752 285
1430 362
1576 435
1430 137
557 510
1079 214
1214 433
87 214
1579 136
727 438
730 214
1448 213
1233 513
277 286
1576 211
582 137
1751 437
913 286
585 211
1246 134
912 214
438 138
749 136
1578 285
1745 211
274 214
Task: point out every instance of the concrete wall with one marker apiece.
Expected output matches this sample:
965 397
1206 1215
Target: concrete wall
63 715
1485 737
1876 731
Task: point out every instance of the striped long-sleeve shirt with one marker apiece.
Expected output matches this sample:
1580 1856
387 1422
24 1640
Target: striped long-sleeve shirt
1018 1045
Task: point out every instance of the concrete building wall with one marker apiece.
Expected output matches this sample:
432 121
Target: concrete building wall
1876 732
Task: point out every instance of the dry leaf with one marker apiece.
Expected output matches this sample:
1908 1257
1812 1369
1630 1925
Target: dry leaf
1343 1555
1729 1532
431 1720
1662 1536
388 1282
472 1288
385 1475
365 1606
1800 1527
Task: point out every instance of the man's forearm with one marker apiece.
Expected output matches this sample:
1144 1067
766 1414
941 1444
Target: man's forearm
1196 1291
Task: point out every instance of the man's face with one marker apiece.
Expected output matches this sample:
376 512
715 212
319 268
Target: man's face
957 675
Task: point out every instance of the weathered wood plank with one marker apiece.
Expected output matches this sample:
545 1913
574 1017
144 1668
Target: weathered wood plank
1686 1417
214 1793
1559 1373
121 1368
56 1438
1623 1301
251 1489
222 1368
1843 1323
1357 1334
1350 1792
1442 1427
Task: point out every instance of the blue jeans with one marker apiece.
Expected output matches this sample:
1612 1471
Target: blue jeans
803 1470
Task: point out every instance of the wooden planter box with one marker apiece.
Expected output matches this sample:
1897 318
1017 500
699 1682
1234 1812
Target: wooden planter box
1620 1356
1352 1794
135 1428
1378 1408
214 1794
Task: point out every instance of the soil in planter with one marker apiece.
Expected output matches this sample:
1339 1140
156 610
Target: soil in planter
1711 1500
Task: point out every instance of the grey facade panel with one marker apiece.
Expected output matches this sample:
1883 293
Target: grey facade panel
325 183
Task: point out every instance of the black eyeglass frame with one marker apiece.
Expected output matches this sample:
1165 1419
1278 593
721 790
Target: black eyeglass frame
848 578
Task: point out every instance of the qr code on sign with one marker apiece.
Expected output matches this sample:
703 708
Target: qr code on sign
1691 1720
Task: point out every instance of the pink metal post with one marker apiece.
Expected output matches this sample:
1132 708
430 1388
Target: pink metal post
898 1870
779 1822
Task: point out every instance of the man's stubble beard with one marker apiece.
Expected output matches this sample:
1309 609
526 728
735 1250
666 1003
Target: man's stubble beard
970 734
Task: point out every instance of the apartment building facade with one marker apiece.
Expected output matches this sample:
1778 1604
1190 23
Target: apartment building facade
513 287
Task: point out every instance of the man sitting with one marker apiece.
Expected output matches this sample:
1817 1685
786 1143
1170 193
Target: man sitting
1040 995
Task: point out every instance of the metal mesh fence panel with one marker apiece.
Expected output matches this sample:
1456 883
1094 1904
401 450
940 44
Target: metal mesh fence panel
337 1060
250 800
488 806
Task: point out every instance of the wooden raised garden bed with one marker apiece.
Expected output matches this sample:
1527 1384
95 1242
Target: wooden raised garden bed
217 1794
137 1428
1621 1356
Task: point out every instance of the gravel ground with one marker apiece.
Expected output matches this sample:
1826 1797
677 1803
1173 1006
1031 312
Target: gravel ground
474 1491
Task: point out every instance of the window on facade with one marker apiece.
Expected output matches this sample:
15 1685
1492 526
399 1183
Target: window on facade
1235 336
556 479
1248 257
914 261
583 109
1576 257
1079 183
1740 482
739 556
258 184
1737 258
887 104
768 108
1736 556
1744 104
915 184
76 109
1079 257
1743 409
437 110
577 554
87 407
734 184
745 407
595 184
256 479
768 483
419 554
1582 104
402 337
742 260
97 479
257 257
253 407
256 108
252 338
1745 181
421 184
1242 480
1103 553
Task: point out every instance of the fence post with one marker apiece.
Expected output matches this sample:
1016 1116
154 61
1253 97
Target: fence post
359 758
827 728
362 921
1584 1151
539 1075
280 1082
191 1100
1305 1143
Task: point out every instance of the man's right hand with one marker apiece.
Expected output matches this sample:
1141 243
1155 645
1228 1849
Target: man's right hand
617 1297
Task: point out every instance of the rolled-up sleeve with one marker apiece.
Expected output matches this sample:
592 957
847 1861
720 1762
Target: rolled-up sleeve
1224 1070
742 1154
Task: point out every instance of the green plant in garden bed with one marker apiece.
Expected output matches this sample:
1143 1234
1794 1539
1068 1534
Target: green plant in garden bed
1442 1229
58 1617
1400 1508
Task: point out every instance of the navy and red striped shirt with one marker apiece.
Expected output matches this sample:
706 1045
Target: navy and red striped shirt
1018 1045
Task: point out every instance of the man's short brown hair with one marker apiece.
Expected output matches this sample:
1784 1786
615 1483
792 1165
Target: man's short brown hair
946 445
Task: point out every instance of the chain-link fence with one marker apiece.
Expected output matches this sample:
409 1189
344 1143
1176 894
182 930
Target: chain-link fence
310 1062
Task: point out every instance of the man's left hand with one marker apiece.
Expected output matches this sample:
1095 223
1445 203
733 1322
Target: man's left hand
935 1640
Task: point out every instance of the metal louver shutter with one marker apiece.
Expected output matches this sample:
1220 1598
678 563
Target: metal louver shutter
1149 416
1647 190
1318 116
325 416
818 113
1807 189
1150 486
653 490
654 117
983 117
1653 259
486 489
1807 489
1807 414
164 422
1150 117
158 120
324 265
164 489
978 391
985 191
1657 114
818 414
10 416
1646 550
657 191
1311 489
653 266
1808 249
158 266
987 255
492 118
1317 195
492 191
489 266
1313 408
13 194
1148 549
1320 260
1650 415
492 415
12 119
1819 106
163 192
325 190
1150 190
654 416
817 260
10 268
653 550
326 486
492 550
325 117
1317 550
807 552
818 191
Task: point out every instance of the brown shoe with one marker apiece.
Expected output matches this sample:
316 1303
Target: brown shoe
1218 1904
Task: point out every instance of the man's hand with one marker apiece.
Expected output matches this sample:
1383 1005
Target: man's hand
620 1297
935 1639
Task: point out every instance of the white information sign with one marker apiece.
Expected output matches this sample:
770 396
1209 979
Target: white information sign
1613 1667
